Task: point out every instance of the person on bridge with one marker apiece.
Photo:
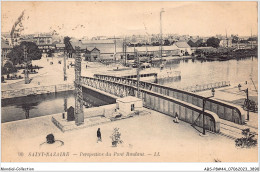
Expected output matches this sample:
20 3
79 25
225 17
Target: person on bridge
99 135
239 87
176 120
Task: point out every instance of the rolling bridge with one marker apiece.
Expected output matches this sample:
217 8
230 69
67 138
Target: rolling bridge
224 110
218 115
156 101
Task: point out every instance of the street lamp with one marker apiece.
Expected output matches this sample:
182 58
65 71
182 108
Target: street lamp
203 109
247 102
138 72
162 10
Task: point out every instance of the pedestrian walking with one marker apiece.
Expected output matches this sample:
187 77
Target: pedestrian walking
176 120
239 87
99 135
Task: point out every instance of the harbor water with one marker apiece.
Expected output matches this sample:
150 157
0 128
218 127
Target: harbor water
197 72
193 72
45 104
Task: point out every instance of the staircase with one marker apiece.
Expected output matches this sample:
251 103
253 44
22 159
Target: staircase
232 130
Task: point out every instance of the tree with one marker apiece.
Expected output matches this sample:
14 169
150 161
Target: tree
155 44
203 44
66 41
213 42
8 68
252 39
167 42
235 39
3 70
244 41
17 54
116 137
50 53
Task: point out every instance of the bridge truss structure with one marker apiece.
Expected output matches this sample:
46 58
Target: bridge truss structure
78 111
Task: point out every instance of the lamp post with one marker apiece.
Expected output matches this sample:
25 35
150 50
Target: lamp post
247 102
203 109
26 72
138 72
162 10
64 67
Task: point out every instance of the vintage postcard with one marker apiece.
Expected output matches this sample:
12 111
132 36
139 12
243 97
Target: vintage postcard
129 81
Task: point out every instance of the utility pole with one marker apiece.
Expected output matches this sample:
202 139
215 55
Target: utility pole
203 112
115 48
64 67
251 39
247 98
138 73
226 38
124 51
65 103
79 114
26 73
162 10
203 109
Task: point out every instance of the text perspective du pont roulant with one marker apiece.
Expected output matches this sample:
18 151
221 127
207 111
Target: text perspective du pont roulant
85 154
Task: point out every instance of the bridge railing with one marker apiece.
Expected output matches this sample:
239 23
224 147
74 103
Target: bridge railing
222 109
162 103
207 86
36 90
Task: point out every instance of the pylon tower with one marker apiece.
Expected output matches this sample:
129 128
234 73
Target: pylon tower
64 67
79 115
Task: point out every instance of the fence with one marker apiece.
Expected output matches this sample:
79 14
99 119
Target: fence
207 86
36 90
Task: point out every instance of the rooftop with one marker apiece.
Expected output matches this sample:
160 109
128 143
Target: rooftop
182 44
4 45
60 45
128 99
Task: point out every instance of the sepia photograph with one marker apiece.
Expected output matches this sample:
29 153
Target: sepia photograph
129 81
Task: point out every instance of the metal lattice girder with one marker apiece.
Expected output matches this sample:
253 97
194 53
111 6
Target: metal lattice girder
79 115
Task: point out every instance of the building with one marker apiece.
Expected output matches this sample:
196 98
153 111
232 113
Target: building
44 42
108 49
88 55
7 38
172 50
195 42
95 54
154 51
226 42
249 45
99 50
129 105
184 47
60 47
72 48
5 49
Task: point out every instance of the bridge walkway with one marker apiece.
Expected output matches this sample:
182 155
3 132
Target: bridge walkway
224 110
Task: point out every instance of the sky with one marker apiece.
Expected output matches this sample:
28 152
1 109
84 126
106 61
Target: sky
90 19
